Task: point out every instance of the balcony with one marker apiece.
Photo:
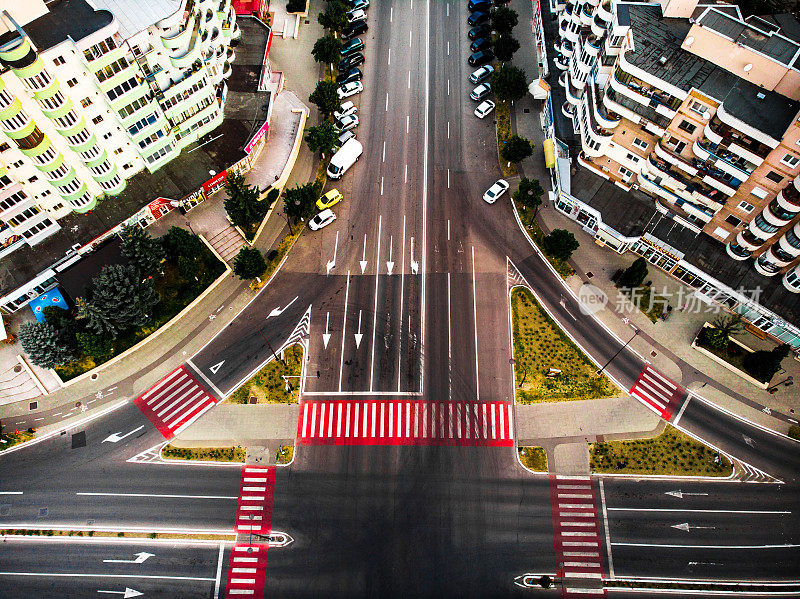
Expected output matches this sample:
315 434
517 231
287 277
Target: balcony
779 213
573 95
226 72
789 196
607 119
604 11
561 63
737 252
764 265
586 15
697 168
725 161
790 241
658 100
749 148
598 26
696 190
647 113
568 110
746 239
180 37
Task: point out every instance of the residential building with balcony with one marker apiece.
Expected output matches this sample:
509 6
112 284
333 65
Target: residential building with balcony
93 92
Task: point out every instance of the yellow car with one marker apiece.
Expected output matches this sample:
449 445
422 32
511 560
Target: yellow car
331 198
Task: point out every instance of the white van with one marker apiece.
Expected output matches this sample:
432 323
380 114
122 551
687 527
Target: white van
346 157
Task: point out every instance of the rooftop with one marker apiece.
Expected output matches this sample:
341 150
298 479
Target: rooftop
66 19
137 15
656 37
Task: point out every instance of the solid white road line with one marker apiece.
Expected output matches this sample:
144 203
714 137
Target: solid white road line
424 189
448 48
448 181
375 308
219 570
93 494
11 492
402 291
449 338
448 87
637 509
344 327
407 123
677 546
409 80
387 101
605 525
381 185
405 174
409 38
448 129
89 575
384 150
391 13
389 61
475 314
682 410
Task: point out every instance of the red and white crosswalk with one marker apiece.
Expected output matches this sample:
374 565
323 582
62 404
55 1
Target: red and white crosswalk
370 422
248 563
247 571
658 393
175 401
576 536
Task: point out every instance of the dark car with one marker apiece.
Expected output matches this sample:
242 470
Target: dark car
482 5
481 57
480 44
353 45
353 60
479 31
355 29
353 74
477 18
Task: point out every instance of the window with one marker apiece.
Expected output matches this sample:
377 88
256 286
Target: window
746 206
33 179
127 165
698 107
118 151
4 147
107 136
122 88
758 192
72 82
640 143
732 220
790 160
632 157
86 102
625 173
774 177
98 50
688 127
112 69
59 60
97 120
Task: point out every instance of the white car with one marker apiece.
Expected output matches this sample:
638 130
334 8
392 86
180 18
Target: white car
480 92
356 15
481 74
484 108
347 122
346 109
349 89
495 191
323 219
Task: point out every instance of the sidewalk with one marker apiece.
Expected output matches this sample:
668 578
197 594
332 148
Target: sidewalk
666 344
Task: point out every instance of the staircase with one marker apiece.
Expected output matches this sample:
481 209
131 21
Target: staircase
227 242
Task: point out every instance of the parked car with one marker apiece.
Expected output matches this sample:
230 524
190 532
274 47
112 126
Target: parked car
349 89
480 31
481 44
356 28
330 199
482 5
345 137
353 45
481 74
481 57
477 18
495 191
356 15
354 4
346 109
348 62
347 122
323 219
480 92
484 108
353 74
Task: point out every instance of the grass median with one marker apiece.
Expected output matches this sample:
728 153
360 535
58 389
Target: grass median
268 385
533 458
8 440
204 454
670 453
540 349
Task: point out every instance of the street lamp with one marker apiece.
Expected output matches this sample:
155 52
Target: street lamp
635 332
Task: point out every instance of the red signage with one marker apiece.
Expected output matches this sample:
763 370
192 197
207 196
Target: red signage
159 207
259 135
215 182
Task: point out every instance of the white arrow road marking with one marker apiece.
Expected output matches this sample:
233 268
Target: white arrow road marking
332 263
414 263
279 311
766 410
389 263
141 557
359 335
749 441
685 527
326 336
680 494
116 437
363 261
128 592
215 368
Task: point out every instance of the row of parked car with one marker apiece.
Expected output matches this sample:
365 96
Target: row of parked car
480 45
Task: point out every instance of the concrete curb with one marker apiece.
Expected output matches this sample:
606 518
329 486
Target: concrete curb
33 376
287 169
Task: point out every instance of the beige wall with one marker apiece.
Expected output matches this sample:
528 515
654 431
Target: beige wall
678 8
22 11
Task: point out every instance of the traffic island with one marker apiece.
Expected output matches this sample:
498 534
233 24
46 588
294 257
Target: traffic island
8 440
672 453
503 112
277 382
548 366
533 458
527 220
203 454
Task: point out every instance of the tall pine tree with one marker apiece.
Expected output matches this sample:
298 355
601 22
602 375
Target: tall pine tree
142 250
98 321
120 292
43 344
242 204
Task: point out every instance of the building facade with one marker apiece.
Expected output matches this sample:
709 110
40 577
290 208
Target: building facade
92 93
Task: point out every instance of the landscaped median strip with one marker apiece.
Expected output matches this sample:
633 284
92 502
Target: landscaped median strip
117 533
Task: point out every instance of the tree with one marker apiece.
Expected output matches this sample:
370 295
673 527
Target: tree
504 19
334 17
180 242
326 49
242 204
299 202
272 195
120 292
509 83
634 275
97 346
762 365
529 194
560 244
325 97
516 149
141 249
322 138
42 342
725 326
98 321
249 263
504 47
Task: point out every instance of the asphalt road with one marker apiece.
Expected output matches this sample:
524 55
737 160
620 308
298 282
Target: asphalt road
415 303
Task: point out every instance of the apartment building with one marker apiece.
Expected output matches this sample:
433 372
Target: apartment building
92 93
698 108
